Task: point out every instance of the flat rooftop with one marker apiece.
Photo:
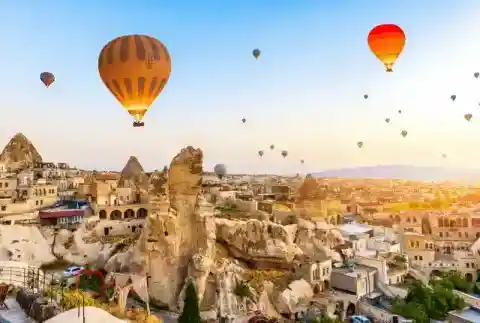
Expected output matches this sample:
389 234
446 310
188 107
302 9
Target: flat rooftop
354 228
359 269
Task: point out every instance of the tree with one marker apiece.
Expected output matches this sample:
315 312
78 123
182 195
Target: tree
191 310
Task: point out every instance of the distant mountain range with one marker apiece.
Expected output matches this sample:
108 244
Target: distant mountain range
406 172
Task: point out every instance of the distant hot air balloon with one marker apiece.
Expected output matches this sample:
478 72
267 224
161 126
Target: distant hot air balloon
244 120
387 42
453 97
260 153
220 170
476 75
399 111
272 147
302 161
468 116
135 69
284 153
47 78
365 96
444 155
360 144
404 133
256 53
387 120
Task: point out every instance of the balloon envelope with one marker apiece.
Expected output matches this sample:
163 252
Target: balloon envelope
47 78
360 144
387 120
468 116
476 75
260 153
135 69
284 153
386 42
453 97
220 170
272 147
365 96
256 53
302 161
244 120
399 111
404 133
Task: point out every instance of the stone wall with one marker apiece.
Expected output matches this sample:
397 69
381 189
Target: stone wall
37 306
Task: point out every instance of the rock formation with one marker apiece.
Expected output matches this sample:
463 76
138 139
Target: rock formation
262 244
133 175
20 153
178 242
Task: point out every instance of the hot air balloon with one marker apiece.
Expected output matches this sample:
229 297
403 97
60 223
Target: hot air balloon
399 111
284 153
365 96
444 155
260 153
302 161
256 53
387 120
47 78
404 133
244 120
220 170
272 147
387 42
453 97
360 144
135 69
476 75
468 116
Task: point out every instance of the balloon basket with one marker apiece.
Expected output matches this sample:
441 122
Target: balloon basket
138 124
389 70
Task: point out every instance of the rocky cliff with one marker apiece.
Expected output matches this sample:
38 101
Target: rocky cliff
178 242
20 153
133 175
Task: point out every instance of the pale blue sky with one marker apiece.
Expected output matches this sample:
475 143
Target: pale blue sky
305 94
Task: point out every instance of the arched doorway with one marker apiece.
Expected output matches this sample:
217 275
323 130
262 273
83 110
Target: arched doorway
469 277
142 213
116 215
102 214
435 273
129 214
326 285
350 309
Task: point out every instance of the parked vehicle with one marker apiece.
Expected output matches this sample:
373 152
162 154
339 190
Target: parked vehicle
72 271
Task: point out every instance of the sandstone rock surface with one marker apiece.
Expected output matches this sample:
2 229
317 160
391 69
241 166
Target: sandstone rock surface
178 242
20 153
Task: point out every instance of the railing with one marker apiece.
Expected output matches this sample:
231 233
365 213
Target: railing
30 278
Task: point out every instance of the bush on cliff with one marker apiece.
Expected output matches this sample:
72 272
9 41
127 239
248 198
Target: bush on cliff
191 310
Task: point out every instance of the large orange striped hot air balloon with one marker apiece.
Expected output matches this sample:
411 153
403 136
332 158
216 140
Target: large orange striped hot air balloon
135 68
387 42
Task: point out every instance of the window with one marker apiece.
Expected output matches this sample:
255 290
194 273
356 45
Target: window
467 265
460 234
420 257
446 234
440 234
36 202
414 220
415 257
408 220
417 244
472 265
4 208
466 234
6 185
465 222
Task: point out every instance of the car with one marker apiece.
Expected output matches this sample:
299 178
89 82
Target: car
72 271
359 319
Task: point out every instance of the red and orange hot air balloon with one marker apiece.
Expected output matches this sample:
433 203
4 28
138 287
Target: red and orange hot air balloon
387 42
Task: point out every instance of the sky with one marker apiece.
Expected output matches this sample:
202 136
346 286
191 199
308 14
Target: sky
304 94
